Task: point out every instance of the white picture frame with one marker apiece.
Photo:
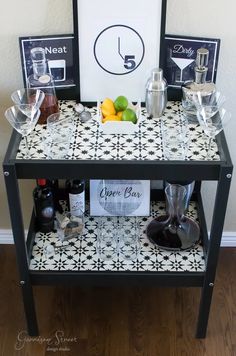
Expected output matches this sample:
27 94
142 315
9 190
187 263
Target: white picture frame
119 197
116 50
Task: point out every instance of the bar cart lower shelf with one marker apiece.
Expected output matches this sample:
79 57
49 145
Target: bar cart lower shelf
81 253
80 262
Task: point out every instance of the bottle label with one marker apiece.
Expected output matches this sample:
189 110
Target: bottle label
77 203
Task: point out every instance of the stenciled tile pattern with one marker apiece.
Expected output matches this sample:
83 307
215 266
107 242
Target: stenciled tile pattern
90 143
81 254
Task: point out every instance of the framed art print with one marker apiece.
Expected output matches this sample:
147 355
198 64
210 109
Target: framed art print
180 53
119 197
117 47
59 53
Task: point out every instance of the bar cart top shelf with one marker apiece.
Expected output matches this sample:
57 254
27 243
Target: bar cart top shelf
118 156
90 143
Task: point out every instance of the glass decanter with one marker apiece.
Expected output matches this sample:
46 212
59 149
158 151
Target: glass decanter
174 231
43 80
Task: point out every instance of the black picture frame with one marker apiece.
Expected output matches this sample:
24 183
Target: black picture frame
184 49
61 61
80 69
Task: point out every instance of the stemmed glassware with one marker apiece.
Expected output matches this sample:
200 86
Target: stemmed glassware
24 115
23 119
212 117
34 97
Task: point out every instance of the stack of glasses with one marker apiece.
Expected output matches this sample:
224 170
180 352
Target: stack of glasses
175 138
118 237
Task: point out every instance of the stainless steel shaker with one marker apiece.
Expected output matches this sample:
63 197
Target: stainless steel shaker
156 93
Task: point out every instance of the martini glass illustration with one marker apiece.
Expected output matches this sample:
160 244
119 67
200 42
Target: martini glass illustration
23 119
34 97
182 63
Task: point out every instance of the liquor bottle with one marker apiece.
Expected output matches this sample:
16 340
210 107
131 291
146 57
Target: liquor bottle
190 88
76 196
42 79
54 185
43 206
156 93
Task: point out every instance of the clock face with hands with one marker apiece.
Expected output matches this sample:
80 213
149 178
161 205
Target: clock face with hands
119 49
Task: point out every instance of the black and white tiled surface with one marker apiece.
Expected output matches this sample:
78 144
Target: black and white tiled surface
81 255
90 143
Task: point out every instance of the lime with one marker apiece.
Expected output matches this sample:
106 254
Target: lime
129 115
121 103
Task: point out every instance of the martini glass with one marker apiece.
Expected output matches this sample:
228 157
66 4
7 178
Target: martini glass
34 97
212 118
23 119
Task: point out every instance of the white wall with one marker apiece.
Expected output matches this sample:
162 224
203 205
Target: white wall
211 18
216 19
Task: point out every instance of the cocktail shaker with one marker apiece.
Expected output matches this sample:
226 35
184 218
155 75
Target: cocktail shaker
156 93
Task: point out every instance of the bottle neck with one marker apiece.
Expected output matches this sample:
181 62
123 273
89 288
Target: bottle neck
200 75
175 195
76 186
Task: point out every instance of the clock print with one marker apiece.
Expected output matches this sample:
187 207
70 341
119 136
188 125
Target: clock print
119 49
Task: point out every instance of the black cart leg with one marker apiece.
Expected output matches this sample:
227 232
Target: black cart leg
20 244
213 250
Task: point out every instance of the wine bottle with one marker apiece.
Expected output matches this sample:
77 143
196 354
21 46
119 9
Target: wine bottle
43 206
76 196
54 185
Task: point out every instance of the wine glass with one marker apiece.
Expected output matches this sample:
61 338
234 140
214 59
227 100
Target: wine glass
212 119
23 119
31 96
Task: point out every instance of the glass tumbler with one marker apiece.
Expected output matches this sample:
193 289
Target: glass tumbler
174 139
60 130
107 238
128 237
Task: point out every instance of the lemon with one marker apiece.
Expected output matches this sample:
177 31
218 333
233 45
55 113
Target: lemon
121 103
129 115
119 114
111 118
108 107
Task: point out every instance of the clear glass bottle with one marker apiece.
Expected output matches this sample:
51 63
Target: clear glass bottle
42 79
190 88
189 187
174 231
